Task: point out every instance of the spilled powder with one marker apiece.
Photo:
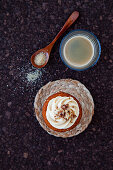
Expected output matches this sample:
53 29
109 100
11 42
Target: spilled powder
34 75
27 76
30 75
26 80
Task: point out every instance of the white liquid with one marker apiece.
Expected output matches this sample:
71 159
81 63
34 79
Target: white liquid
78 51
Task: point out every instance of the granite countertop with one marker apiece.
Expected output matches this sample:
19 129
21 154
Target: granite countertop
26 26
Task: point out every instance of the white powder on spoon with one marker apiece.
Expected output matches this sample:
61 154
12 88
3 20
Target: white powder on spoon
40 59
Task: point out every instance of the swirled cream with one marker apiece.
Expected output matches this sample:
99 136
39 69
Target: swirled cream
62 112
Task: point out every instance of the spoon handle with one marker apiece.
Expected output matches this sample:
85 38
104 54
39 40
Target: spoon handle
67 24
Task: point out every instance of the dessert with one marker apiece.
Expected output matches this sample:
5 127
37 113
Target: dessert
56 90
61 112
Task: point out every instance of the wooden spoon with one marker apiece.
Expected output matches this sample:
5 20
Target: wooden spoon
48 48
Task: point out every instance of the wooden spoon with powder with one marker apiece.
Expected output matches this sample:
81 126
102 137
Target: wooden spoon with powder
40 58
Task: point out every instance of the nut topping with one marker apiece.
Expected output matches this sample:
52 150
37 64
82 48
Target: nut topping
65 112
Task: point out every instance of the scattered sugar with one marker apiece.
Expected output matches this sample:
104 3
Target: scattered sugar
29 74
26 78
34 75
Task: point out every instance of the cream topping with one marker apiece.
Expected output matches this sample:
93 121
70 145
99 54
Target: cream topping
62 112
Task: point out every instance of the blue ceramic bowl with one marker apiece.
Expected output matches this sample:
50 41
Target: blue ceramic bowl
91 37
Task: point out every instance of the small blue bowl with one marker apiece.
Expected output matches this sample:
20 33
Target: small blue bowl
96 46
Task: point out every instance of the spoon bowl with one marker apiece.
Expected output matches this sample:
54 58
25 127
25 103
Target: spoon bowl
47 49
36 53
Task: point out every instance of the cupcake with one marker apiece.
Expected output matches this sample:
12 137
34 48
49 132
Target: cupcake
61 112
64 108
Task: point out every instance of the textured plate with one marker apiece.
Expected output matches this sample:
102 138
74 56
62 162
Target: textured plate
73 87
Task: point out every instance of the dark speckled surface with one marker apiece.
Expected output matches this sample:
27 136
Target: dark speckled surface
26 26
